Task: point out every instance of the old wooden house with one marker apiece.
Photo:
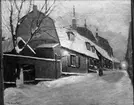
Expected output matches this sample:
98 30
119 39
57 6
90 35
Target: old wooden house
77 54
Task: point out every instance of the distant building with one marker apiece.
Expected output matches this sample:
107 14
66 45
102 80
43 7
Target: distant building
102 42
86 33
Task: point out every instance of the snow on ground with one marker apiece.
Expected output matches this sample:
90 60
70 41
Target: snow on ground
64 81
88 89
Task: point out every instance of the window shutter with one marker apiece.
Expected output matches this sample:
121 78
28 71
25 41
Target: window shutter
77 61
89 62
69 60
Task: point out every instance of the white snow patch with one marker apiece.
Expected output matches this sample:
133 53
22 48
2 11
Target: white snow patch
63 81
14 96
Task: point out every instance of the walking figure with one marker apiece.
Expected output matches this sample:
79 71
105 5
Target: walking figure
100 71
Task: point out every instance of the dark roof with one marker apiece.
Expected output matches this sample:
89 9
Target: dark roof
25 16
86 33
48 37
102 42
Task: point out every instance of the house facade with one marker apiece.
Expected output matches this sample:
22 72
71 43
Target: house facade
76 54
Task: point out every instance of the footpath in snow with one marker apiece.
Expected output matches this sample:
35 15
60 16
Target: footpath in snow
114 88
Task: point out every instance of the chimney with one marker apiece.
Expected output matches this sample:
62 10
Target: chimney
74 20
96 32
34 7
35 10
85 25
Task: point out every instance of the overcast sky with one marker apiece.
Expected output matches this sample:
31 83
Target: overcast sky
113 15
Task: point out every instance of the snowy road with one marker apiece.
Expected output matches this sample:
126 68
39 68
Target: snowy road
114 88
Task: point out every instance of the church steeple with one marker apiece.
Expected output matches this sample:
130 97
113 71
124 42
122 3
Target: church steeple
74 26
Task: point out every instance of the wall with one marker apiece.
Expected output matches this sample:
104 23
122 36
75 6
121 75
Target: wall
66 60
44 68
47 69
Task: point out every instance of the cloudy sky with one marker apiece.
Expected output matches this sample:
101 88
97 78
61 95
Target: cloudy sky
111 17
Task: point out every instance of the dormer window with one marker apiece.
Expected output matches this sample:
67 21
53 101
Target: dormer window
93 49
88 45
71 36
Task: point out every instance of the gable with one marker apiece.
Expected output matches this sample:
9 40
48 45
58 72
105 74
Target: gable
46 30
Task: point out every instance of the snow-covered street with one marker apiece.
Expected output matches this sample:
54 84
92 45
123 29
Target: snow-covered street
114 88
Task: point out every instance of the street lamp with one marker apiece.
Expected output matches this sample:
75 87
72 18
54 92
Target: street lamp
124 65
65 53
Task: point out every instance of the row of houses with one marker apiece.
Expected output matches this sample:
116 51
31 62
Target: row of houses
52 51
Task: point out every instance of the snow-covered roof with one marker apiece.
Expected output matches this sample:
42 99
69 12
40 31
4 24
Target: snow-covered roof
77 45
101 50
49 45
98 48
115 60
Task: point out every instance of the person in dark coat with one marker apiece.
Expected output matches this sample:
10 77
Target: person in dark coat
100 71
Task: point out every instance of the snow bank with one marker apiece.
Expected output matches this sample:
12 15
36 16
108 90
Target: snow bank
63 81
14 96
89 89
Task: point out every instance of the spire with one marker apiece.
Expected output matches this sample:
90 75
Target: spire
74 19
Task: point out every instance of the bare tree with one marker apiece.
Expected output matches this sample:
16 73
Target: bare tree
15 17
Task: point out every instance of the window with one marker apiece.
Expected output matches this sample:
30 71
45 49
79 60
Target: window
93 49
91 63
71 36
74 61
88 46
